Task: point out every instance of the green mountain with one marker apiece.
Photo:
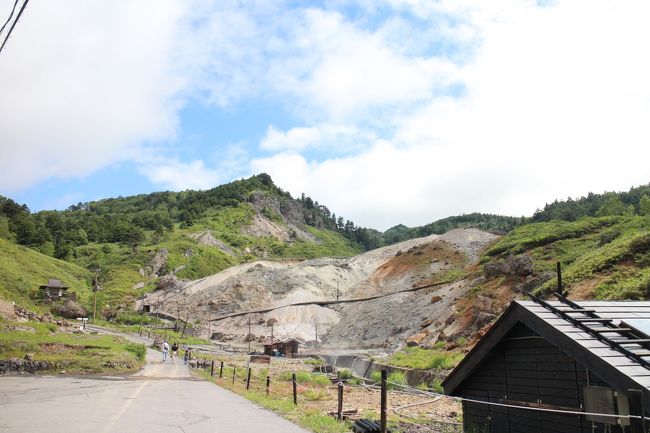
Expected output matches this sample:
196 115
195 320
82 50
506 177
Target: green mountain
137 243
131 242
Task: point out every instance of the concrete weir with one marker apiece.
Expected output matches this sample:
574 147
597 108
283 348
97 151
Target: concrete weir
364 367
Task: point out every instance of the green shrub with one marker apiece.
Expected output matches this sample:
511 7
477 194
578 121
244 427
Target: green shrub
138 349
306 377
136 319
345 374
314 394
436 385
425 359
395 379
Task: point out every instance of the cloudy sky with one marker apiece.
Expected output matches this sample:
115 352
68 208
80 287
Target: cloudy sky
387 111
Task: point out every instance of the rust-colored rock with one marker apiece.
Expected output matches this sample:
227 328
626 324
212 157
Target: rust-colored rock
417 339
436 298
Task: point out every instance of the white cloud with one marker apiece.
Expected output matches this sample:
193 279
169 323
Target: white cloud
295 139
555 106
175 175
84 82
553 100
340 72
336 138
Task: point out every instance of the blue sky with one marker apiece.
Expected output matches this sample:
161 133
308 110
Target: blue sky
387 111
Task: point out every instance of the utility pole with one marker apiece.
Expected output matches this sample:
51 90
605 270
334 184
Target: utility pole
248 337
95 289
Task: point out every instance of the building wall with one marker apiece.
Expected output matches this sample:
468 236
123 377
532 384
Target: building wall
524 367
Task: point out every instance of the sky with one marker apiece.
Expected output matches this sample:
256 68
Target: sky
387 111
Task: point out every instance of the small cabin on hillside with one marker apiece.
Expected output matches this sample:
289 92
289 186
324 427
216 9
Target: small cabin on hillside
287 347
53 290
558 357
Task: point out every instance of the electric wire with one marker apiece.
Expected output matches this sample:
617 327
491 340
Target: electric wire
13 25
10 16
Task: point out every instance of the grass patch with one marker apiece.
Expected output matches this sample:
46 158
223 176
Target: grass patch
305 377
425 359
75 353
24 270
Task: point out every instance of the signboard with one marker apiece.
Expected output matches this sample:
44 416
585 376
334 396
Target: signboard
606 401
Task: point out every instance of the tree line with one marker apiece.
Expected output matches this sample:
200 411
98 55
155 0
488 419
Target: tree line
636 201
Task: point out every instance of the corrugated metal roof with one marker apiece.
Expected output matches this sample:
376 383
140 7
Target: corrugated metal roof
618 311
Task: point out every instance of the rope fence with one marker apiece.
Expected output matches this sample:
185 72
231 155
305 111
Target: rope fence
229 374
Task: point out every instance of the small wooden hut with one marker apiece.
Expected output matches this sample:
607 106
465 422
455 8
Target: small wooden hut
543 363
287 347
53 290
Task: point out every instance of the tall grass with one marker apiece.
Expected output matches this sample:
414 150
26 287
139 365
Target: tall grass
425 359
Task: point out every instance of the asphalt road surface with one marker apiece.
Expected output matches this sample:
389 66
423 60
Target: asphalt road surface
161 398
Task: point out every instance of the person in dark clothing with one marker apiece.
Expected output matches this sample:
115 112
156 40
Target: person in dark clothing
174 351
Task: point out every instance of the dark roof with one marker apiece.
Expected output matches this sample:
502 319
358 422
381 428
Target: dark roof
613 366
268 342
53 284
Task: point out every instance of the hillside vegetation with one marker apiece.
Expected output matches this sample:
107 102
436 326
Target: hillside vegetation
602 257
24 270
132 242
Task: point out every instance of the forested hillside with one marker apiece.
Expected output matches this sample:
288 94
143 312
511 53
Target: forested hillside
634 202
127 220
133 242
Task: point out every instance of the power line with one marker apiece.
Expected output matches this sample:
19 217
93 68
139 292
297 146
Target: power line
11 29
10 16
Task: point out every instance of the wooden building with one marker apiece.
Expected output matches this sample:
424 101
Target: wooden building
54 289
287 347
592 357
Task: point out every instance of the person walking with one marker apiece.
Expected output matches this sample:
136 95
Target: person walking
174 351
188 355
165 349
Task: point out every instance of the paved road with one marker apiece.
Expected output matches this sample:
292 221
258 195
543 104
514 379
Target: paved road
161 398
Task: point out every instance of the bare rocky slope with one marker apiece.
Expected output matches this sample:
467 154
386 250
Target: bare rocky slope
437 262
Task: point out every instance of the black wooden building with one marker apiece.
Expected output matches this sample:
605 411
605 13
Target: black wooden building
557 356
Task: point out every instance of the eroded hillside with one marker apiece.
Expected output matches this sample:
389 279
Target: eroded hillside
438 260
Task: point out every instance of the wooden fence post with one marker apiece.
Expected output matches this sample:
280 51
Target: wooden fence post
383 401
635 399
340 407
295 389
233 375
248 379
212 368
268 384
221 370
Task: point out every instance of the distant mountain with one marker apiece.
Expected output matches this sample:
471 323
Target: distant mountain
496 224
